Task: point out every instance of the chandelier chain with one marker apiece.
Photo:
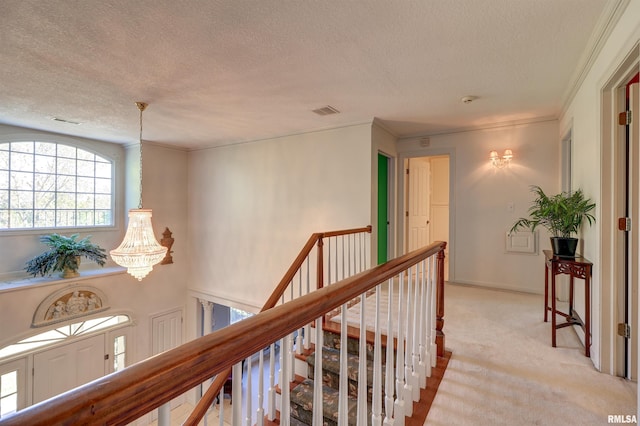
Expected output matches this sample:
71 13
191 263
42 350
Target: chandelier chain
140 203
141 106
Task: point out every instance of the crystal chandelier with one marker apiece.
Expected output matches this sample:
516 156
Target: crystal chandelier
139 250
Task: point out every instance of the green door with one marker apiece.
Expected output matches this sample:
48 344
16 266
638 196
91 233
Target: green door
383 207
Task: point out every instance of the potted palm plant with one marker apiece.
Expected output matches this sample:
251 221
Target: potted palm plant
561 214
64 255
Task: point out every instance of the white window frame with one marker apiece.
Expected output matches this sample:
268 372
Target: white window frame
19 366
58 191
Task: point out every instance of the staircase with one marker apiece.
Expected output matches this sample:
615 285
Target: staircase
302 393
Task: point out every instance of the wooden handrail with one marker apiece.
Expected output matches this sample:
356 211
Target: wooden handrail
122 397
209 396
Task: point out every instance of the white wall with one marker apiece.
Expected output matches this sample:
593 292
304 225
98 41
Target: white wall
584 117
480 195
253 206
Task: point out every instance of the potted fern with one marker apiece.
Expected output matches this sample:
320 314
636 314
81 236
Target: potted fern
562 215
64 255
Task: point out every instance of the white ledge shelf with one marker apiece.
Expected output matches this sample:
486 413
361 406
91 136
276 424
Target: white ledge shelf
20 283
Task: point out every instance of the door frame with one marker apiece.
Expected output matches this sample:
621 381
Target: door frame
427 152
612 244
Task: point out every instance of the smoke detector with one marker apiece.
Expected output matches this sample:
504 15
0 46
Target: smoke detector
468 99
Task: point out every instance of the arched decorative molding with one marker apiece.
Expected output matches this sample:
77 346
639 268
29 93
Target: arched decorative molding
69 303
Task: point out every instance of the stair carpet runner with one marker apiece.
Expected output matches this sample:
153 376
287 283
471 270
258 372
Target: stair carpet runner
302 393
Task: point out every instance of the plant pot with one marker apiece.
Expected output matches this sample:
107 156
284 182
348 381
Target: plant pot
71 273
564 247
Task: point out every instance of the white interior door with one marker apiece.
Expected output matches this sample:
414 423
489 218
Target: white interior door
439 205
418 220
166 333
63 368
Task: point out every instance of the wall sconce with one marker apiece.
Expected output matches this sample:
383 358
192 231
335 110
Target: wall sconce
500 162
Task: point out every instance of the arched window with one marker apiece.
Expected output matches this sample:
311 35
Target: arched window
61 333
53 185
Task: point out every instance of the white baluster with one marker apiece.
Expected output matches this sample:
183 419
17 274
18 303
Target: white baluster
249 409
307 328
376 403
432 301
236 395
408 329
389 382
271 404
221 405
362 363
399 406
422 364
343 387
415 329
285 409
318 418
299 342
260 410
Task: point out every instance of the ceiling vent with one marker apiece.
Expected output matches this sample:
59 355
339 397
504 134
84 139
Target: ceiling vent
327 110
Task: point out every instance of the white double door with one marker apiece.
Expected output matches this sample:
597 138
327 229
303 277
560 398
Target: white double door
63 368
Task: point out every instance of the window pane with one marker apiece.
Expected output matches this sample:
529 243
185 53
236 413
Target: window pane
21 218
103 170
103 217
66 183
65 200
85 218
4 219
9 383
8 404
21 180
21 199
22 147
4 199
103 186
45 182
4 159
44 219
66 218
45 200
4 179
66 166
85 184
22 162
86 168
85 201
45 164
46 148
86 155
4 146
66 151
103 201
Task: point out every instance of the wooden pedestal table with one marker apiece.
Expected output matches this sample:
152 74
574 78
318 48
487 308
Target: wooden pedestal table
575 267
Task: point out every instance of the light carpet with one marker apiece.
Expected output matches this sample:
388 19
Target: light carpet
504 371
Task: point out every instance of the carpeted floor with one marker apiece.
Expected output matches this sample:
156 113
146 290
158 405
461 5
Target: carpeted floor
504 371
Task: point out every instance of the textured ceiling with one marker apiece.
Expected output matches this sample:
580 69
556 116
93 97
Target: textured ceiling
217 72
